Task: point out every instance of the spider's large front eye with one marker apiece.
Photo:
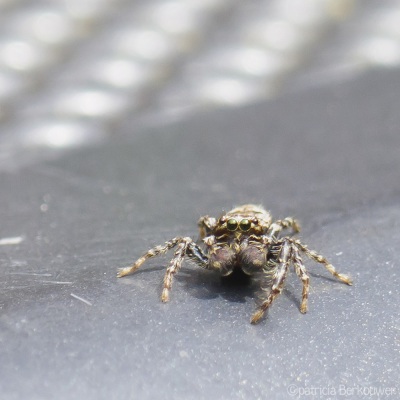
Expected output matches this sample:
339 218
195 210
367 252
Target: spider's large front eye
245 225
232 224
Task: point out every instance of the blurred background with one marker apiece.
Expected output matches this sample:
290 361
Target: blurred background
73 72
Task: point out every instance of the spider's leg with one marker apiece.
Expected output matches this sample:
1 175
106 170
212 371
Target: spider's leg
155 251
206 224
302 274
174 267
277 280
276 227
322 260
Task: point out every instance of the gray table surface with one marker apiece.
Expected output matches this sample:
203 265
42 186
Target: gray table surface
70 329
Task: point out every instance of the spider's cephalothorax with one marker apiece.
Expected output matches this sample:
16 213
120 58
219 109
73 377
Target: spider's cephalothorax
245 238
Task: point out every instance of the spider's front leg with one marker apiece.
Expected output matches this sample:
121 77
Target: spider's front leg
275 229
174 267
155 251
278 280
186 246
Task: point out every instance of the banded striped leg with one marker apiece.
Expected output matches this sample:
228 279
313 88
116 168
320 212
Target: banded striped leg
277 282
174 267
302 274
281 224
155 251
322 260
193 251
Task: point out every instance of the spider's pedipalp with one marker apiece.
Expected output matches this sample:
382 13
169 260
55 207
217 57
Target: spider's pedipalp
196 254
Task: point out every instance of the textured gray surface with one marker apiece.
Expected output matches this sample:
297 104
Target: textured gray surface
329 157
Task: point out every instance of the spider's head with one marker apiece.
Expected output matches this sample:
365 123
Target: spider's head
239 224
248 219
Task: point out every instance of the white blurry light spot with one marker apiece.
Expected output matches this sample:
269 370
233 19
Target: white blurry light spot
61 134
280 35
11 240
24 56
227 91
45 25
88 9
146 44
305 12
122 73
387 23
53 28
175 17
252 61
380 51
210 5
92 103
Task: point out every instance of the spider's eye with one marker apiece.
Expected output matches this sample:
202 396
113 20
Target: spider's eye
232 224
245 225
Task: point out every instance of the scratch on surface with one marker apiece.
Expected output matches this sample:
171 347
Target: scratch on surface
30 273
81 299
57 282
10 288
11 240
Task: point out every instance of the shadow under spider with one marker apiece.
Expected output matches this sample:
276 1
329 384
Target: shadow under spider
235 287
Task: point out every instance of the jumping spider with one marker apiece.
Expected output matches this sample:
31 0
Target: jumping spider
245 238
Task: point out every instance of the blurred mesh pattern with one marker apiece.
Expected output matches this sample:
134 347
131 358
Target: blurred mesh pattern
71 70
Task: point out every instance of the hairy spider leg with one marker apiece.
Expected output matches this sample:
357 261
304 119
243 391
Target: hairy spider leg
205 225
155 251
301 272
277 282
276 227
322 260
174 267
186 246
